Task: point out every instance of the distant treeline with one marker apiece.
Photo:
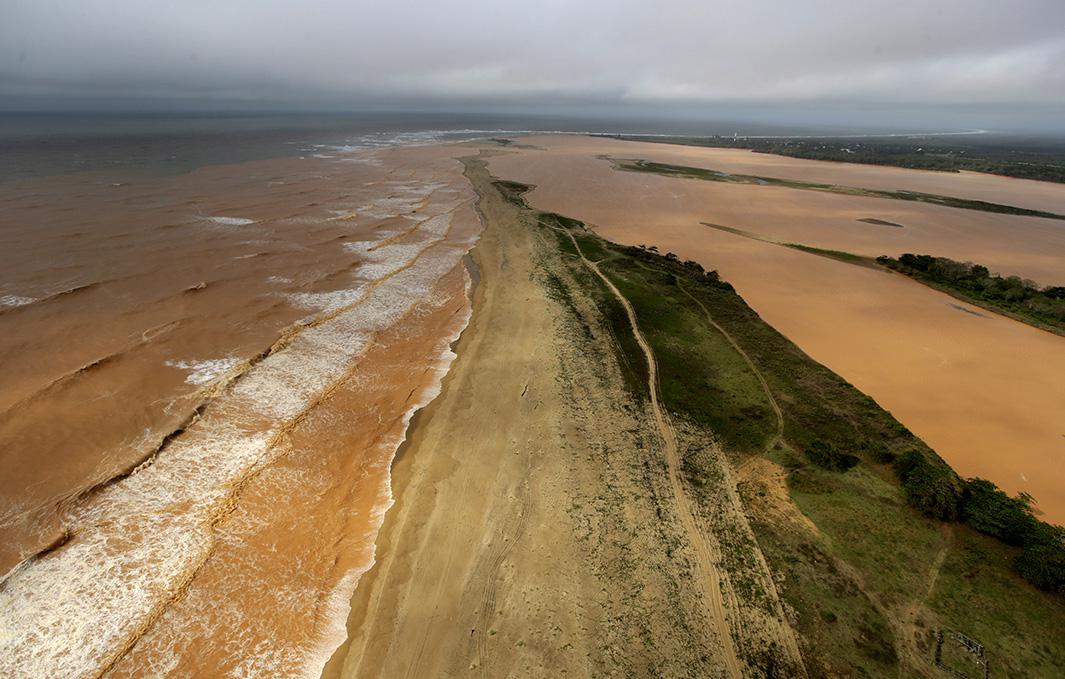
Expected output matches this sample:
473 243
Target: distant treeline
1026 158
1011 295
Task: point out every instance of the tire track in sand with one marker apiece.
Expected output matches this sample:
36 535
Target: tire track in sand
488 596
710 582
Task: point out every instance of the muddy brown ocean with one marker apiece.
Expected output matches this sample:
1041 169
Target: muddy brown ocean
203 380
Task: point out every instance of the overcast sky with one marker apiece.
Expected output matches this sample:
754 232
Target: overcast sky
990 58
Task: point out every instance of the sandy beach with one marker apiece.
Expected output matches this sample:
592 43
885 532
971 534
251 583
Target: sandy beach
518 542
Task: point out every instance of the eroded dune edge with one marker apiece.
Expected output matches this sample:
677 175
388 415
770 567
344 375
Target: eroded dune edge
546 523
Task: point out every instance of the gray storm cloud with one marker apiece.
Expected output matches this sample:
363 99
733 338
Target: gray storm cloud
620 52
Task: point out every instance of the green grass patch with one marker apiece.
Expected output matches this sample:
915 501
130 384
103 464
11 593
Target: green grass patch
978 595
702 378
848 257
879 222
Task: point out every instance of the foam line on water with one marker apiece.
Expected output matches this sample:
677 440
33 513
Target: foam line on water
15 300
138 542
338 603
204 372
231 221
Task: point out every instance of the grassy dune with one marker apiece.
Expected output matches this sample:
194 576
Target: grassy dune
870 582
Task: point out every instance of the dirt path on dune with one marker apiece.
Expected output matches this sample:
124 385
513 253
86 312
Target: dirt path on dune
777 412
705 550
784 630
710 580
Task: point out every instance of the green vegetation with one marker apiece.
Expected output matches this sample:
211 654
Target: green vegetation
713 175
839 255
932 488
828 456
879 222
512 191
1027 158
902 548
848 257
1015 297
1010 519
695 367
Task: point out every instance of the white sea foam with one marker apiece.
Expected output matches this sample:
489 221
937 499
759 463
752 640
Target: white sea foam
231 221
327 301
138 540
338 603
204 372
378 261
15 300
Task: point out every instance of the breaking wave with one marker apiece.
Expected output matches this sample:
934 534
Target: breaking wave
137 543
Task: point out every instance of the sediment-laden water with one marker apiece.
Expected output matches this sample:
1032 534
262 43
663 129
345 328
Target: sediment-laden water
203 380
983 390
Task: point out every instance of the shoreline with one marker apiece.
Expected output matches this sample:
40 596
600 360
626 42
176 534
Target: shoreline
403 463
410 427
516 545
287 465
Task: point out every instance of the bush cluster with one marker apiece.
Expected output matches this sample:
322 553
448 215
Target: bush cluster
1010 519
934 489
977 282
827 456
937 492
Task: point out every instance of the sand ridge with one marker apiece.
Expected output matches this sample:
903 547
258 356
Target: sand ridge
537 527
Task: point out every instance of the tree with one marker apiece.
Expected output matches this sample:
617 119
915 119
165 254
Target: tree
1043 566
989 510
827 456
932 488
